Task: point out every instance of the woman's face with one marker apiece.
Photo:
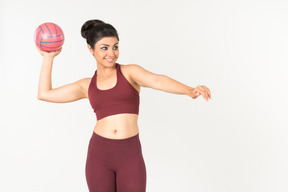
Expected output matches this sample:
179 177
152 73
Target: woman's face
106 51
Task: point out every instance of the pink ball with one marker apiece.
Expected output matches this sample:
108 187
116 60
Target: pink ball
49 37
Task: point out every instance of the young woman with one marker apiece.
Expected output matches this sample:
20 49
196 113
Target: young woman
114 157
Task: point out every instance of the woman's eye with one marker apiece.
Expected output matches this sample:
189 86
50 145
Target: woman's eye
105 48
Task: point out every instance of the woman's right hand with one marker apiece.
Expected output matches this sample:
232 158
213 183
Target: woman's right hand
49 54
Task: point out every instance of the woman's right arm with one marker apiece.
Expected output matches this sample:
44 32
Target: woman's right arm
64 94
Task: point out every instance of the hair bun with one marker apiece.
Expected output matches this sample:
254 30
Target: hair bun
88 25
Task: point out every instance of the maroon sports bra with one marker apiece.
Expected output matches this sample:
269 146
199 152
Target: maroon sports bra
122 98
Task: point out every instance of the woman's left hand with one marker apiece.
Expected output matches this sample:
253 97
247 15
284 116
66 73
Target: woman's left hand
200 90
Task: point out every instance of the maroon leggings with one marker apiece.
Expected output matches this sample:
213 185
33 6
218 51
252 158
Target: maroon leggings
115 165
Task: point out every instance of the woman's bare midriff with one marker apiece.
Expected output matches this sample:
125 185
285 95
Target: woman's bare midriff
119 126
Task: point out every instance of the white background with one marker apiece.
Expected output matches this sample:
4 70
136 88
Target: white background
235 142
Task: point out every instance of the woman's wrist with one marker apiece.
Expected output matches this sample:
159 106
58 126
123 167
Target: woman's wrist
48 59
189 91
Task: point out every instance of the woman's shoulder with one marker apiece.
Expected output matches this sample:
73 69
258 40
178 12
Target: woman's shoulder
128 70
129 67
133 69
140 76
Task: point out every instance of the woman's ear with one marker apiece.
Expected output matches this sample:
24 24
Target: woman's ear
90 49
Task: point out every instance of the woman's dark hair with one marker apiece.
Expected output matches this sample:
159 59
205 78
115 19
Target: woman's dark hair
94 30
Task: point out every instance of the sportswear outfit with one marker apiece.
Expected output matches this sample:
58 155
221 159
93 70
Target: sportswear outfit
114 165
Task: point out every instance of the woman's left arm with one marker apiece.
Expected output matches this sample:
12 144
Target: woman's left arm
145 78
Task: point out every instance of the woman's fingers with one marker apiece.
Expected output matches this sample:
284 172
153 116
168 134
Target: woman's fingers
45 53
40 51
204 91
58 51
38 48
200 91
205 95
207 91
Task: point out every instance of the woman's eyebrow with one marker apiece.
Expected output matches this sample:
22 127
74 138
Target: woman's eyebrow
109 45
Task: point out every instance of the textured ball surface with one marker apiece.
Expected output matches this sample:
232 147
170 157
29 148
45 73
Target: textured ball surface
49 37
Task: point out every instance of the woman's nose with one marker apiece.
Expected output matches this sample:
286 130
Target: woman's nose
111 53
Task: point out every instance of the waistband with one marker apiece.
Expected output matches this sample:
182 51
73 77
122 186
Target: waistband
95 137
